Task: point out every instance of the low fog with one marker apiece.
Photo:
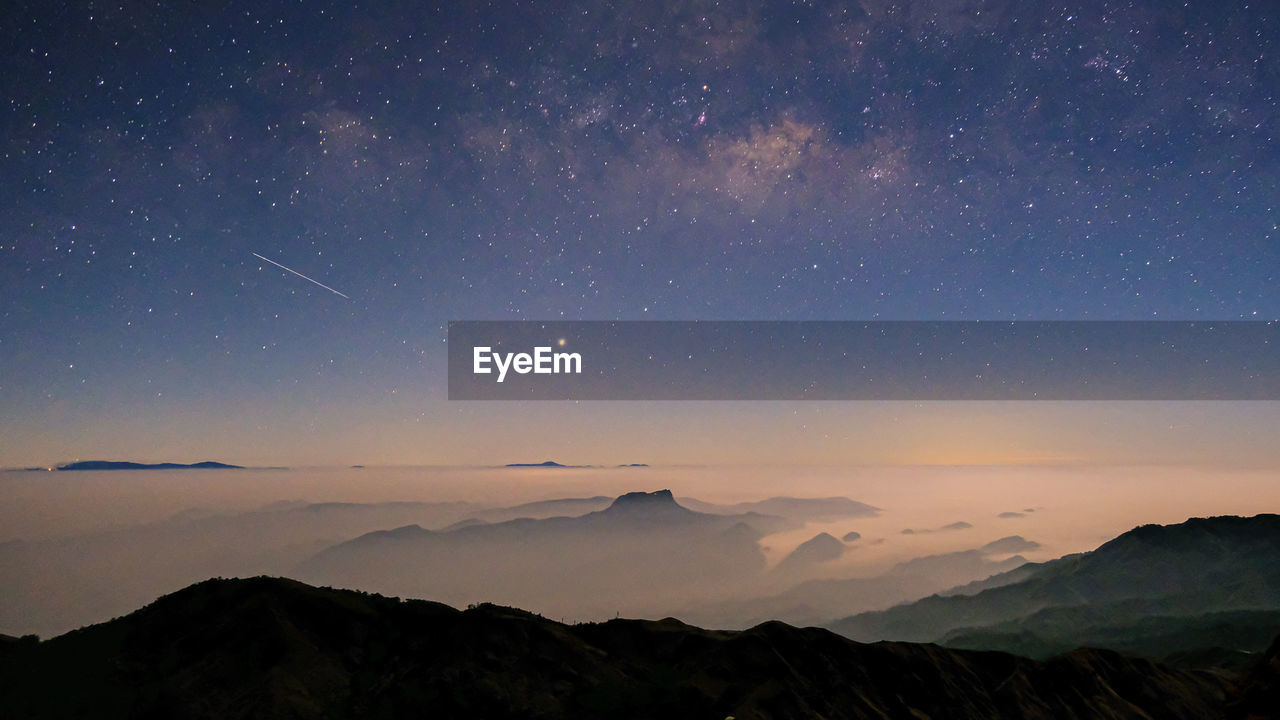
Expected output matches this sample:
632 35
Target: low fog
728 547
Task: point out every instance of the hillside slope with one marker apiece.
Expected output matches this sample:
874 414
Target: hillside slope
272 648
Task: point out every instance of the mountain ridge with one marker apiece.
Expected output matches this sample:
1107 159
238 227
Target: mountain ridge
632 555
126 465
1202 565
271 647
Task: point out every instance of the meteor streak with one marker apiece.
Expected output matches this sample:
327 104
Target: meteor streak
295 272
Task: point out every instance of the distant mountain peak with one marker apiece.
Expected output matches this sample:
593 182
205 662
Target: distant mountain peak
659 505
820 548
1010 544
124 465
641 499
543 464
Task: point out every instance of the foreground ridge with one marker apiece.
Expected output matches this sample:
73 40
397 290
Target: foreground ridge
270 647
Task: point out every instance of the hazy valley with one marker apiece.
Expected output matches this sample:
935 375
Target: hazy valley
1192 603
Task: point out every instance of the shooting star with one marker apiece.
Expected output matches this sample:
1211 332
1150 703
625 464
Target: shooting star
295 272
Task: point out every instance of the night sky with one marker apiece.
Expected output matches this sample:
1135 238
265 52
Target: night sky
654 160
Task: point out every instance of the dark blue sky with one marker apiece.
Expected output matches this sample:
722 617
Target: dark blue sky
664 160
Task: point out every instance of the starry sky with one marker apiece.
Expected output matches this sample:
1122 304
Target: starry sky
671 160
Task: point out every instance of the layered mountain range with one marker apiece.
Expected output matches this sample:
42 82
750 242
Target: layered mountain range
273 648
1207 589
1173 621
623 559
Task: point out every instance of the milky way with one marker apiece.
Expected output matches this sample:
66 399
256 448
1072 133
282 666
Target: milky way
663 160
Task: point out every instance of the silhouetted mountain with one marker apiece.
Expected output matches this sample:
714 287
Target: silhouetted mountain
269 648
121 465
820 548
1011 544
958 525
851 536
634 555
1201 566
799 510
658 500
55 584
543 464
